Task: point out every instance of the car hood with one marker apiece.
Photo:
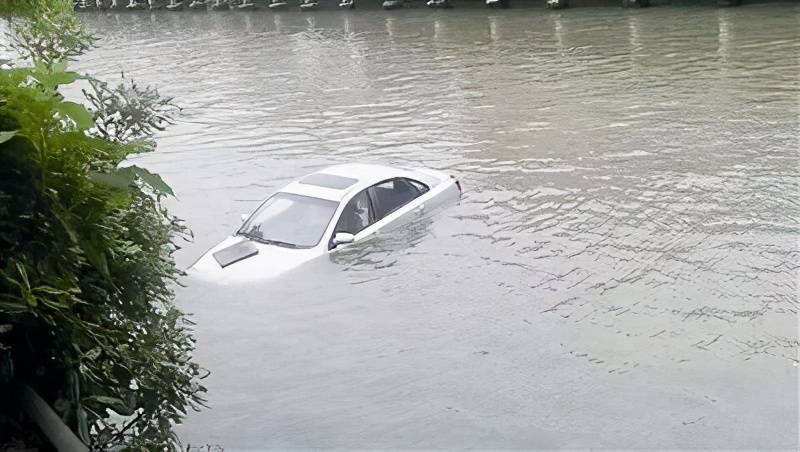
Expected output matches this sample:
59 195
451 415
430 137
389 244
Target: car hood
269 262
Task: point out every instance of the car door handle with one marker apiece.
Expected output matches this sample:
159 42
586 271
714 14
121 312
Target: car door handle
421 207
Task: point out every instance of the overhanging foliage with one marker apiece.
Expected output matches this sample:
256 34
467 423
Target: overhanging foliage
87 316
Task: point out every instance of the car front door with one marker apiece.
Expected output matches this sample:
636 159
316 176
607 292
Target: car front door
356 216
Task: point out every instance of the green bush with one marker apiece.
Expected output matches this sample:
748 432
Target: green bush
87 317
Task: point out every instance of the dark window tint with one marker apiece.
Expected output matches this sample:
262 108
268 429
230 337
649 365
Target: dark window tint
392 194
357 215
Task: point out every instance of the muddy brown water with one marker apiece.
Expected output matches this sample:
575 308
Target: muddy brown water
621 272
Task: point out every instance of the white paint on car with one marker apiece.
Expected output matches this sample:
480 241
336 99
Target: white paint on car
273 259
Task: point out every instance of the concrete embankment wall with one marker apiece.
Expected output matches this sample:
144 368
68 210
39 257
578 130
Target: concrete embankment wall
517 3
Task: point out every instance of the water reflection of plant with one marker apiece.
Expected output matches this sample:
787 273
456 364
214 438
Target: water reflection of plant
87 317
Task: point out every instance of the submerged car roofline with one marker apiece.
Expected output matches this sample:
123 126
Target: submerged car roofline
366 175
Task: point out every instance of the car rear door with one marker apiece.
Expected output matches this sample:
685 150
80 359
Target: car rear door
382 207
395 203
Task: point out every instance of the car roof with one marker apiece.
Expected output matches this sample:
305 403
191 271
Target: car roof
365 175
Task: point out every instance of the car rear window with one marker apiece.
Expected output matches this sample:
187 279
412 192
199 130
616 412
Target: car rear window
328 181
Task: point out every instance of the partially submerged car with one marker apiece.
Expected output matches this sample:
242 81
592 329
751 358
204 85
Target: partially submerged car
320 214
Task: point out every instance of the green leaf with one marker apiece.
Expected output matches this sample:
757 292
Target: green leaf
78 113
152 179
93 353
105 400
55 74
59 66
96 256
12 308
83 424
121 178
119 200
114 403
117 179
71 233
63 78
5 136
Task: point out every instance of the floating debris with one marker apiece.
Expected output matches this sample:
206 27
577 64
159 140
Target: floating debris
274 4
393 4
306 5
219 4
136 4
498 3
439 4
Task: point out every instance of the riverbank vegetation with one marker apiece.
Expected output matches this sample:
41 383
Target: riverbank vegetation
87 318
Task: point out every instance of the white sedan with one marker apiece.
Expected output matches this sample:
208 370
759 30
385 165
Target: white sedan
322 213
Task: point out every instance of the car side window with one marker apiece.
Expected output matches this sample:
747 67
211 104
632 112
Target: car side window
357 215
392 194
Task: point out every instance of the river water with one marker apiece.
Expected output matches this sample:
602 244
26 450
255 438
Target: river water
621 272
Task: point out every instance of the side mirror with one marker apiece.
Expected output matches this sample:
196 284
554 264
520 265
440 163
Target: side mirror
244 217
341 238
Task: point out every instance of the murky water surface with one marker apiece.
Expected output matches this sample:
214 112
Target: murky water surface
622 271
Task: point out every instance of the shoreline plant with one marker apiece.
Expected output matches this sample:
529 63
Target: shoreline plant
87 312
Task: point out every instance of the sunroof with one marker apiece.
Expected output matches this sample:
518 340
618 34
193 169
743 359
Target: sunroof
328 181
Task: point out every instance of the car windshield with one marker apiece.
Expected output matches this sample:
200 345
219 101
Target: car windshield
293 221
